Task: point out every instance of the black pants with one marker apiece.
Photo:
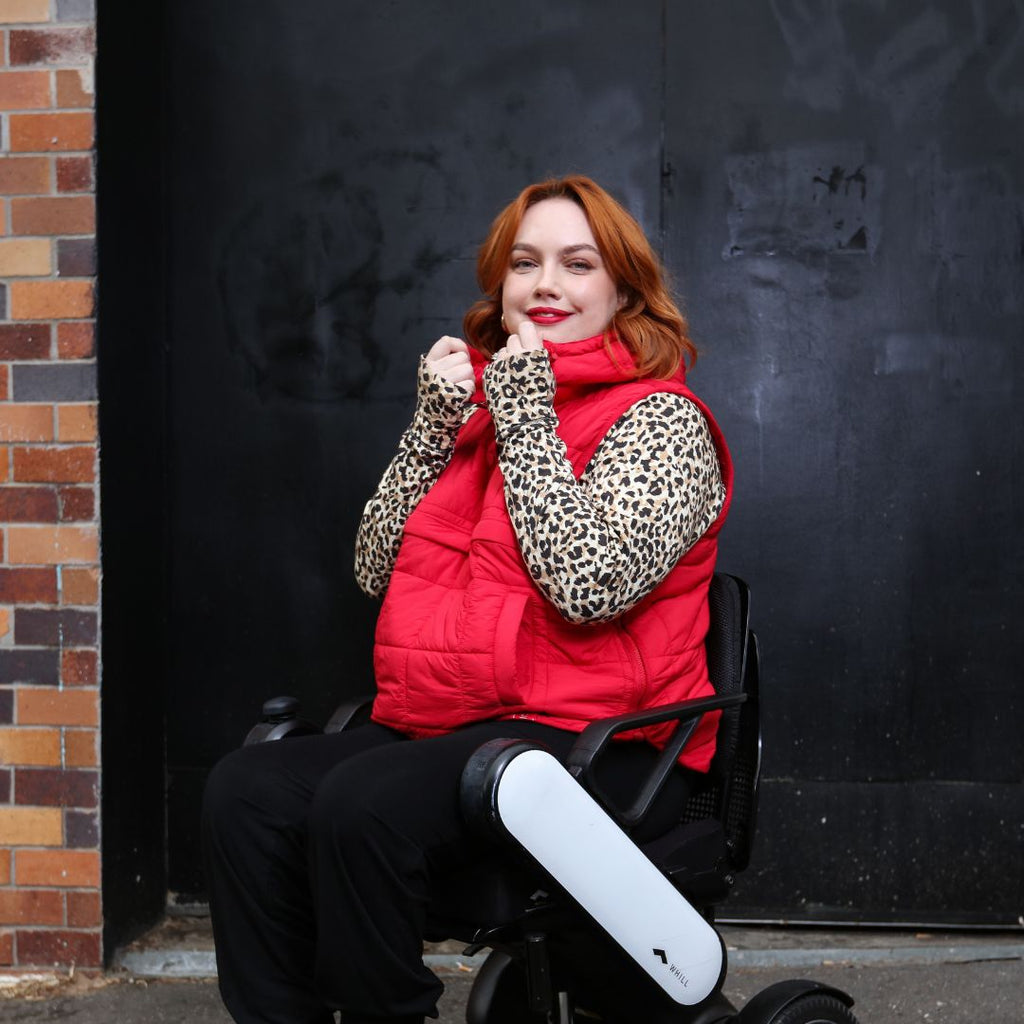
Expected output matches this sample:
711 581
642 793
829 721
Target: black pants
319 853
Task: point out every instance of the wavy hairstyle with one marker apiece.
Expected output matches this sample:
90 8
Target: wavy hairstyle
649 323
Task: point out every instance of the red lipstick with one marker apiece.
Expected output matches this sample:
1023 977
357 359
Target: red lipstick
548 315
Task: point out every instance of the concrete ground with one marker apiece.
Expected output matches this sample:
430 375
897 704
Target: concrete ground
948 978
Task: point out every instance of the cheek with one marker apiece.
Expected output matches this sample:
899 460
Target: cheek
511 291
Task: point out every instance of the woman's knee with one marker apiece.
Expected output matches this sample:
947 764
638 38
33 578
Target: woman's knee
244 785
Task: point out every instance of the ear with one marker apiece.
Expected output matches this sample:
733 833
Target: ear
623 301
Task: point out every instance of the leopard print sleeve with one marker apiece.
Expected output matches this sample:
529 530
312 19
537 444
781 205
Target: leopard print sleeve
423 451
598 546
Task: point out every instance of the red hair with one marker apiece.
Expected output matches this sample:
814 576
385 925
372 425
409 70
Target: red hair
649 323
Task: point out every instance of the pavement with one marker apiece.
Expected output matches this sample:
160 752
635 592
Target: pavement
974 977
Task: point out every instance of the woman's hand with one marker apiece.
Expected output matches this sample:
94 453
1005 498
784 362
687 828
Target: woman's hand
449 359
527 340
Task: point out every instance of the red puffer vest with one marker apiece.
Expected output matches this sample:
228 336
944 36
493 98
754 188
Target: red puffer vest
464 635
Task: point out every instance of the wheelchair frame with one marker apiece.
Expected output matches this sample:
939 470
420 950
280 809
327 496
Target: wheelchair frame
549 960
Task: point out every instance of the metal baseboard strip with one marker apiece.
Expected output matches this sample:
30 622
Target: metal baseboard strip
202 963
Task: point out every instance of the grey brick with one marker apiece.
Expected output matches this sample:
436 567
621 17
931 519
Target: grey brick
76 10
82 829
21 666
76 257
54 382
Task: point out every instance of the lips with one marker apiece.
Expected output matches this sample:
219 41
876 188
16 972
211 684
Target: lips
547 315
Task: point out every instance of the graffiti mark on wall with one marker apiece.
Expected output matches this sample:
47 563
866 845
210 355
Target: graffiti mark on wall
804 200
905 56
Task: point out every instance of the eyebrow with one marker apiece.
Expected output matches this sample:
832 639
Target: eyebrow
567 251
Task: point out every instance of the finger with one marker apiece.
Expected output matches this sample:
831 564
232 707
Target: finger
450 362
529 337
446 346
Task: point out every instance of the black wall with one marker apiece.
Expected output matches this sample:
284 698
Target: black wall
131 357
837 188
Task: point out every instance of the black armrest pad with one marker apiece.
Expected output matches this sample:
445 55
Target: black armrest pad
598 734
350 714
596 737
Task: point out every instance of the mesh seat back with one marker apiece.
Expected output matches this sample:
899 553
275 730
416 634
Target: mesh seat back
730 793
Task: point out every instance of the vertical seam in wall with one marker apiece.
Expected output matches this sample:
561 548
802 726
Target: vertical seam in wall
662 155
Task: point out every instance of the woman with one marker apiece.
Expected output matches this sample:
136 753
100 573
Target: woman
543 541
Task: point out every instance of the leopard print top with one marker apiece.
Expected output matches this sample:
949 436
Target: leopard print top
595 547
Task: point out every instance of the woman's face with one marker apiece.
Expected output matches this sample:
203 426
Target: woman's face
556 276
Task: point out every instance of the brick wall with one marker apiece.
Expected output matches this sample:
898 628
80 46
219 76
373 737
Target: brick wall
49 545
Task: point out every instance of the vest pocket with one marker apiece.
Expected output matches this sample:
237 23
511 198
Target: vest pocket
506 642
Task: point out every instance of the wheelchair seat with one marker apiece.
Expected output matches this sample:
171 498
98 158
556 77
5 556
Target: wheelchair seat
711 841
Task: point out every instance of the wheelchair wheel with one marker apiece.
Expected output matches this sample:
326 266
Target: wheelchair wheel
815 1008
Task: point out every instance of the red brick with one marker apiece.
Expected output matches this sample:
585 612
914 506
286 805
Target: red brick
80 748
6 941
28 586
31 826
26 12
5 867
77 504
39 747
51 133
29 257
78 586
84 909
51 787
51 46
52 545
58 215
51 300
25 341
74 174
24 90
5 393
28 422
74 464
28 505
78 667
78 422
70 869
43 706
58 948
25 175
31 906
76 340
73 89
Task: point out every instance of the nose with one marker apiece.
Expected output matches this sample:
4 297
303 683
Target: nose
547 279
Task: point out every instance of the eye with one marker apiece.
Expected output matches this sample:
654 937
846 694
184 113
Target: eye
522 263
579 266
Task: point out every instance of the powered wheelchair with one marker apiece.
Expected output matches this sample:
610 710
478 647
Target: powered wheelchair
582 923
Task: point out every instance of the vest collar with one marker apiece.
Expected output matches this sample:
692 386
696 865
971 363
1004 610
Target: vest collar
577 365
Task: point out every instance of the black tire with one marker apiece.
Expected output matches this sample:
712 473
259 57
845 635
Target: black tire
815 1008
